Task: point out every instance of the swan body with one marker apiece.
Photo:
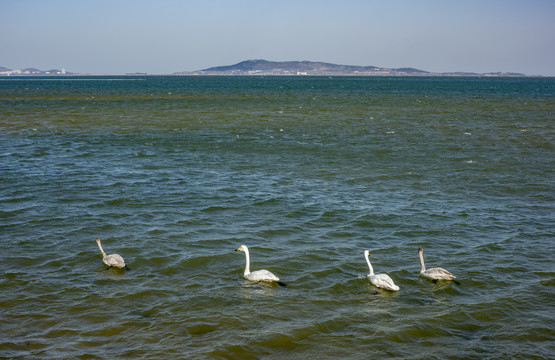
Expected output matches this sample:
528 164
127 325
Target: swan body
436 273
379 280
258 275
114 260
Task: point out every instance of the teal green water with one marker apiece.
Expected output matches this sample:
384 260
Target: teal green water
175 173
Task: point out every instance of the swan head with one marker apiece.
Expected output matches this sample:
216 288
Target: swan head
242 248
420 250
366 253
97 240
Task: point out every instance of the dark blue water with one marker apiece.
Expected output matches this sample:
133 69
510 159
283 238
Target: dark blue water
175 173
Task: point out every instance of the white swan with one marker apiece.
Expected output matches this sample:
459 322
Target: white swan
258 275
380 280
433 273
114 260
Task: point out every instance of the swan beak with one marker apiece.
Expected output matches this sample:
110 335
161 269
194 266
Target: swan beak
239 249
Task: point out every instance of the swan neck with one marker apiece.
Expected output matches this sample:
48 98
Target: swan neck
422 266
369 265
248 262
100 247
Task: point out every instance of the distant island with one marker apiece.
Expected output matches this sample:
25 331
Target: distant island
32 72
264 67
278 68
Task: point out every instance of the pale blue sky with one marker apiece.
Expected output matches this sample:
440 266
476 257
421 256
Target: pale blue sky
166 36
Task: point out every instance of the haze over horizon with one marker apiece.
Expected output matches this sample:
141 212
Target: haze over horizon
170 36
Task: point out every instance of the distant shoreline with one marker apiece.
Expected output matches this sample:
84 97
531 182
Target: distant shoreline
311 68
275 68
120 77
68 78
438 75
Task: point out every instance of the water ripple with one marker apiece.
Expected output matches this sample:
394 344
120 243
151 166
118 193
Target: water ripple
308 172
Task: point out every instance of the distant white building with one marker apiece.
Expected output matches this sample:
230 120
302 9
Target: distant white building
10 72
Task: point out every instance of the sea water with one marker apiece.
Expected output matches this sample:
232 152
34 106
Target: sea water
175 173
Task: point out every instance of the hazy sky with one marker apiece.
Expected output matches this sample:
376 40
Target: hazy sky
166 36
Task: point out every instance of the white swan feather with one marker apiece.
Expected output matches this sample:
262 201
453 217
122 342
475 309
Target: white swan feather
379 280
258 275
436 273
114 260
